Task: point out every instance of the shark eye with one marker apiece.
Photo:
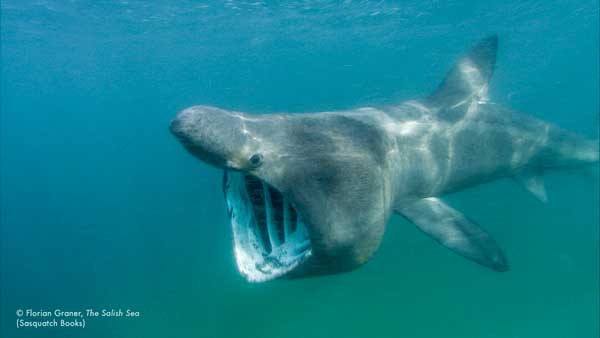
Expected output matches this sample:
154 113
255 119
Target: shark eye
256 160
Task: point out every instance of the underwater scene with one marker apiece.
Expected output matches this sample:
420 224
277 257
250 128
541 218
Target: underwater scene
299 169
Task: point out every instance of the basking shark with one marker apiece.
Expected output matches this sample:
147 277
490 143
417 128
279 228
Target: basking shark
310 194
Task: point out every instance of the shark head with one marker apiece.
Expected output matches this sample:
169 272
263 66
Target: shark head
306 194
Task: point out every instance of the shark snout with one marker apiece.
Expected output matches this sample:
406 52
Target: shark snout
177 128
184 125
211 134
187 125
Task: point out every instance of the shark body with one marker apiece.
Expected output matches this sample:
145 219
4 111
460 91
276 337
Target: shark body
311 194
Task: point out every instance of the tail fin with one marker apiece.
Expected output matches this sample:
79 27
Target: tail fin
589 151
570 150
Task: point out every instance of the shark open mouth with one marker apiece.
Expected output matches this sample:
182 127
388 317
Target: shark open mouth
270 238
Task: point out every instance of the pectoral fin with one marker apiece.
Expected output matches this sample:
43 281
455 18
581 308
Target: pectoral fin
454 231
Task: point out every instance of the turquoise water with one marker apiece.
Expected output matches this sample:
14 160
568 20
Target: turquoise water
101 207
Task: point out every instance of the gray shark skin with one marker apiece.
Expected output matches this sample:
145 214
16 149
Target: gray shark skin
310 194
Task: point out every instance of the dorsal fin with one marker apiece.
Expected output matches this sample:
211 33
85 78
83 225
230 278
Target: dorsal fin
469 77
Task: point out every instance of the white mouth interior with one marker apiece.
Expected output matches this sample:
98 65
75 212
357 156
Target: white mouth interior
270 238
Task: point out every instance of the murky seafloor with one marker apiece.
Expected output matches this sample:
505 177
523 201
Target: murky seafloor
100 206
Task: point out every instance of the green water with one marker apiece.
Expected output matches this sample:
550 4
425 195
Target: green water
100 207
